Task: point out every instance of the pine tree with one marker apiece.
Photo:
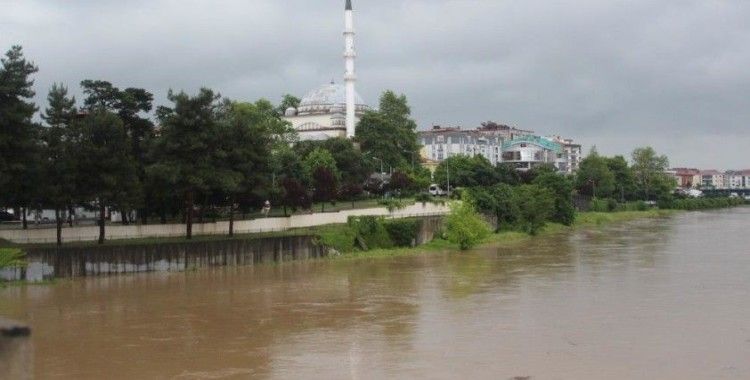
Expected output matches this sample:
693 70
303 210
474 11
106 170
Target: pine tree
58 165
184 152
19 142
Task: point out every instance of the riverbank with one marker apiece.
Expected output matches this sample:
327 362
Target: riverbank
513 238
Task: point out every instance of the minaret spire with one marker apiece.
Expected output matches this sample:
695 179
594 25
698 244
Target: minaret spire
349 77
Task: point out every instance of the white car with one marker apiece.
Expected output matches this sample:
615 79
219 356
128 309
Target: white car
435 190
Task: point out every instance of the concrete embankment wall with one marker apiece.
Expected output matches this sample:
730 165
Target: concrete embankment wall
118 232
15 350
65 262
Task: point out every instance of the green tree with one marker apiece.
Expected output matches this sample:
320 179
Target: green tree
105 169
465 171
594 177
562 190
129 104
649 170
318 158
624 179
497 201
19 136
506 173
58 165
389 133
246 136
464 226
350 163
536 205
185 149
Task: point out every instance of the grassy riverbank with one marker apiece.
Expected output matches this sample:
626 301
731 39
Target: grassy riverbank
514 238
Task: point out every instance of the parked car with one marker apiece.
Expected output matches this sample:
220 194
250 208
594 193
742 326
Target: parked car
6 216
436 191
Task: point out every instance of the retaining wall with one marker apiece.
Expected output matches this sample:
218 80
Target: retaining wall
117 232
64 262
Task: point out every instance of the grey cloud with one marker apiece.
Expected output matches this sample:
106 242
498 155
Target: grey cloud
618 74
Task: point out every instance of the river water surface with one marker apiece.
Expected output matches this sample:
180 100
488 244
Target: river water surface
650 299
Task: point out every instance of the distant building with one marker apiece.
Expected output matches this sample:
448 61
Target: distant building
572 155
737 179
687 178
440 143
500 144
528 152
712 179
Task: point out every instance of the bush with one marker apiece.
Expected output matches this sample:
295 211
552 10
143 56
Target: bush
392 204
423 198
600 205
403 232
464 226
536 205
371 229
11 257
703 203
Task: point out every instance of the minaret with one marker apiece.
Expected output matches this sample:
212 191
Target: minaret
349 77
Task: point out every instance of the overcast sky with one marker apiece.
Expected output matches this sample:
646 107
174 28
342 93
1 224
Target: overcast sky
674 74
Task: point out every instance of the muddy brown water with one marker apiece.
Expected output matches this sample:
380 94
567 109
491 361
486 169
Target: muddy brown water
657 299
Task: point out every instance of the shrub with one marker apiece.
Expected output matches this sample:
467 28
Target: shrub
536 205
423 198
11 257
392 204
371 230
464 226
403 232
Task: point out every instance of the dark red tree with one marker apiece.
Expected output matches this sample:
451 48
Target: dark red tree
326 186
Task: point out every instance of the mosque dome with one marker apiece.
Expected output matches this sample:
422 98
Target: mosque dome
327 99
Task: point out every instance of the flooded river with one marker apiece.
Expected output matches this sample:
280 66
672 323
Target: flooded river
650 299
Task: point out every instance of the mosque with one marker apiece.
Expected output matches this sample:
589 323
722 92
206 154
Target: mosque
332 110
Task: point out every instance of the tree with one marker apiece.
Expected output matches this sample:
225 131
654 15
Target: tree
350 163
246 140
185 149
624 179
649 170
58 165
562 190
497 201
325 186
594 177
464 226
318 158
400 182
536 205
287 101
105 169
18 134
389 133
465 171
295 195
99 95
508 174
128 104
